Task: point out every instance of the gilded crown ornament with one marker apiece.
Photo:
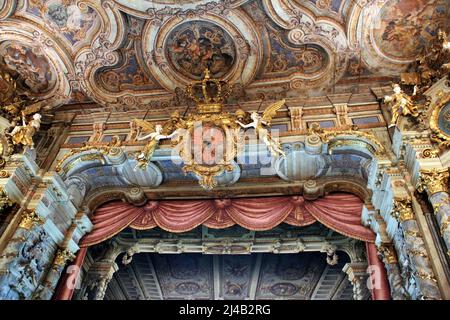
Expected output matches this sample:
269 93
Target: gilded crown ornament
208 139
209 94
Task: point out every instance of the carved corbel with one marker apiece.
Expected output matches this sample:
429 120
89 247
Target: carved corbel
98 128
136 196
341 111
128 256
296 114
330 250
312 190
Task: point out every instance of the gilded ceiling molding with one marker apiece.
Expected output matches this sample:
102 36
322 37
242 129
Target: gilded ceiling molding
101 53
7 7
305 28
239 34
98 197
157 8
352 22
22 46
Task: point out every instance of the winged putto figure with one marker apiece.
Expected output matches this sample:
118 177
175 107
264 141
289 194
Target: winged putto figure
154 133
259 123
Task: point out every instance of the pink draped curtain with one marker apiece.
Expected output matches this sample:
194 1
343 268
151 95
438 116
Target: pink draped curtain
339 212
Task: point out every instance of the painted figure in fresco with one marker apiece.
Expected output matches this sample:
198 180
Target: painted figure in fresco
23 135
33 68
259 123
406 26
66 17
199 46
401 104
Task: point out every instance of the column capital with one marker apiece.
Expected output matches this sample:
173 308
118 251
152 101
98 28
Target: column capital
433 180
388 253
357 275
29 219
62 256
402 210
355 270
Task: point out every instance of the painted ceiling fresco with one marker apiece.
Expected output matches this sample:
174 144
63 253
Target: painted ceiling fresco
406 26
29 64
194 46
120 54
302 276
239 277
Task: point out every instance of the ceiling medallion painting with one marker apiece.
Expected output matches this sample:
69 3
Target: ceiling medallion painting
30 64
180 47
393 32
196 45
406 26
72 20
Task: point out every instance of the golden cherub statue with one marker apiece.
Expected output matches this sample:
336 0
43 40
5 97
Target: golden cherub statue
23 135
258 124
401 104
155 135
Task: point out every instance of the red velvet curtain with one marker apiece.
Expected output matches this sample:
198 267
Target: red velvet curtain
339 212
68 281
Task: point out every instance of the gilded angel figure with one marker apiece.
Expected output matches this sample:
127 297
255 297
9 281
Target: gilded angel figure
154 135
259 124
401 104
23 135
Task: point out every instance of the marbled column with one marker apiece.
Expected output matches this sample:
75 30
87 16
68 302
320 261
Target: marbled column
415 247
47 288
434 182
441 206
389 258
378 276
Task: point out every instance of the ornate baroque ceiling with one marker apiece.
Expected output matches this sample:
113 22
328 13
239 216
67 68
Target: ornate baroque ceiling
130 54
